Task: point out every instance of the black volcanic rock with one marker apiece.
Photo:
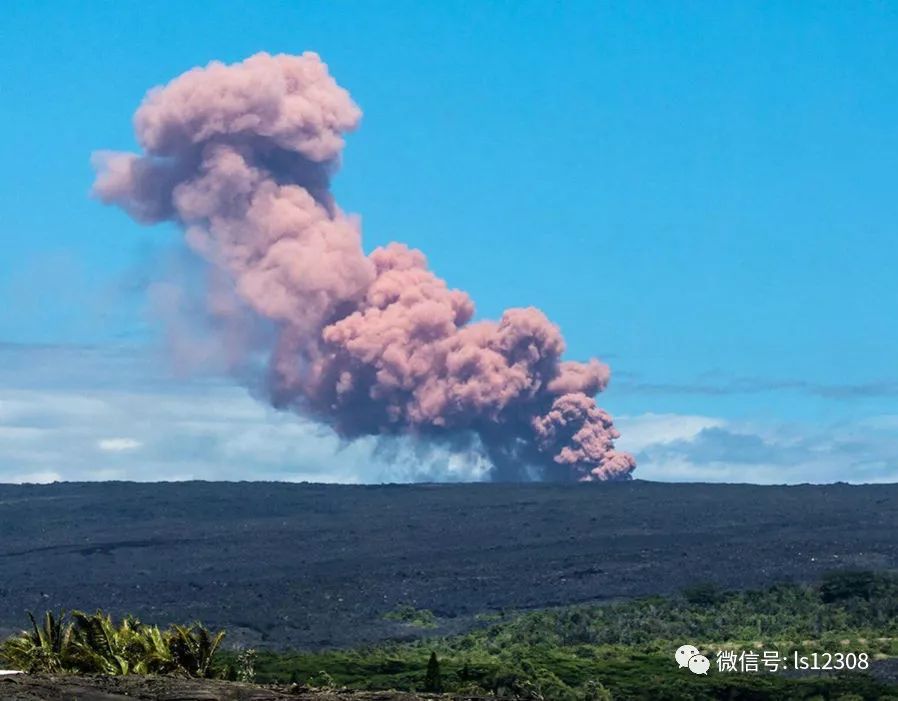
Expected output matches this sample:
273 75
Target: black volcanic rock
149 688
315 566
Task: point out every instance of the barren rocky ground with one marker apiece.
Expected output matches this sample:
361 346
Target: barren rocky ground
51 688
284 565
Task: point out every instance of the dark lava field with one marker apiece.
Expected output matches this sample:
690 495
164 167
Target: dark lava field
296 565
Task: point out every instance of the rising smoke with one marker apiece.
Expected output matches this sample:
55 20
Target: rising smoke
241 157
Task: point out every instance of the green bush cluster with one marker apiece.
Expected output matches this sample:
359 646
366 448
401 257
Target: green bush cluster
408 614
94 644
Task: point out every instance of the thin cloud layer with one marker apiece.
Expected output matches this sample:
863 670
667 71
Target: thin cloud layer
717 450
115 414
62 428
882 388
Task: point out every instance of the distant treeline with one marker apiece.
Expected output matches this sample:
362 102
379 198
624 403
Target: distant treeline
625 650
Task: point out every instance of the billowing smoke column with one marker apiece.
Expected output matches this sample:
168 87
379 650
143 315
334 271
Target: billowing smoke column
241 157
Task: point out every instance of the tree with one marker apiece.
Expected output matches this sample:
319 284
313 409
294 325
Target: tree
593 690
842 585
433 681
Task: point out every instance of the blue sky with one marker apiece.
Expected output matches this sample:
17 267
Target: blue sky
700 193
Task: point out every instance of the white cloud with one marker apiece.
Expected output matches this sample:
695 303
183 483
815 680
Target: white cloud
34 478
202 433
652 429
137 425
118 445
194 430
865 450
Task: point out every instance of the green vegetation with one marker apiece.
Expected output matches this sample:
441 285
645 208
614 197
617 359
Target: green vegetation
621 651
433 680
625 650
94 644
408 614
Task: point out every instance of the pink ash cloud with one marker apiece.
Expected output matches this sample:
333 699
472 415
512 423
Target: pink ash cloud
241 157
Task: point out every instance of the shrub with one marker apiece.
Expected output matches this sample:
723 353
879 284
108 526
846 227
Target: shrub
408 614
45 648
246 666
838 586
193 648
705 594
594 691
95 644
323 680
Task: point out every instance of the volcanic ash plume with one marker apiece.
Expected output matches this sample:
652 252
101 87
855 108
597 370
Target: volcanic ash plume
241 156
